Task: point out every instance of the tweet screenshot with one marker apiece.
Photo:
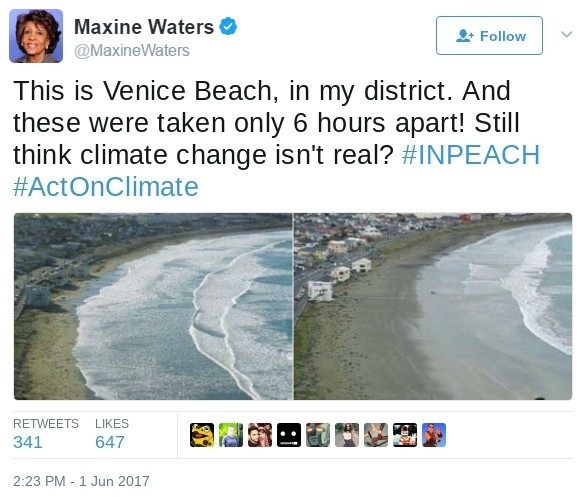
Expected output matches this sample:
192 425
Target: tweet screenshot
300 231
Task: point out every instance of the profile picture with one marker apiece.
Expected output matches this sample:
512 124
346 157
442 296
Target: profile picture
35 36
346 435
201 434
376 435
434 434
317 434
288 434
404 434
230 434
260 435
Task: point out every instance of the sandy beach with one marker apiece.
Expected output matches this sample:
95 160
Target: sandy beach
44 364
366 343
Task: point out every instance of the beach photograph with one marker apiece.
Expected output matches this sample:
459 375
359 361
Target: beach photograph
153 306
433 306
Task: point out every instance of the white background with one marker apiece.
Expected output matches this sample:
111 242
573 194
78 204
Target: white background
532 446
483 28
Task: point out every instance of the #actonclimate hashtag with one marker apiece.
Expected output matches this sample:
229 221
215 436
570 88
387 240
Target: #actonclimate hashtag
409 154
20 186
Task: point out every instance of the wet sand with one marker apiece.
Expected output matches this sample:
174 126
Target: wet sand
365 344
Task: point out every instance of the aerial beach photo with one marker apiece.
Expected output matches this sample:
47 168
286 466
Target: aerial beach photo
152 306
433 306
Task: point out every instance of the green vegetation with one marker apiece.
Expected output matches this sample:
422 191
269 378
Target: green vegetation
472 228
306 328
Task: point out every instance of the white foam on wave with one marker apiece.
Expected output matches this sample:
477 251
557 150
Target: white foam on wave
260 343
524 284
140 317
217 296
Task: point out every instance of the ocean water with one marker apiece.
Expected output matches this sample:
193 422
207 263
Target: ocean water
205 319
497 314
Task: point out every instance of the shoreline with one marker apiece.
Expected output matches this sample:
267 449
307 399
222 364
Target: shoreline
475 329
356 347
45 367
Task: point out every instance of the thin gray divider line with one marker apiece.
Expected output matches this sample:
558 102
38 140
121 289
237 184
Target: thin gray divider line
263 411
299 458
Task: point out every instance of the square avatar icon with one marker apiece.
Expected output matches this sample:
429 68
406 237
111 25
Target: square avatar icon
288 435
317 434
230 435
376 435
35 36
433 434
260 435
404 434
201 434
346 435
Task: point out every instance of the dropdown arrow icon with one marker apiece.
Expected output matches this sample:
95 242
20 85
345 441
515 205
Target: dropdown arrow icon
567 35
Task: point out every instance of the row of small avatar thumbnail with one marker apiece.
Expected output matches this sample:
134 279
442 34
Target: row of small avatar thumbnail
316 435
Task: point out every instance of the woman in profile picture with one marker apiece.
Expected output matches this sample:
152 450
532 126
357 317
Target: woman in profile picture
348 436
37 35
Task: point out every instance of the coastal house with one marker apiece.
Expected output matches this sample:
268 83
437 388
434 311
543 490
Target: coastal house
362 265
318 253
470 217
315 236
337 246
366 217
297 246
371 232
341 273
38 295
300 263
354 242
319 291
